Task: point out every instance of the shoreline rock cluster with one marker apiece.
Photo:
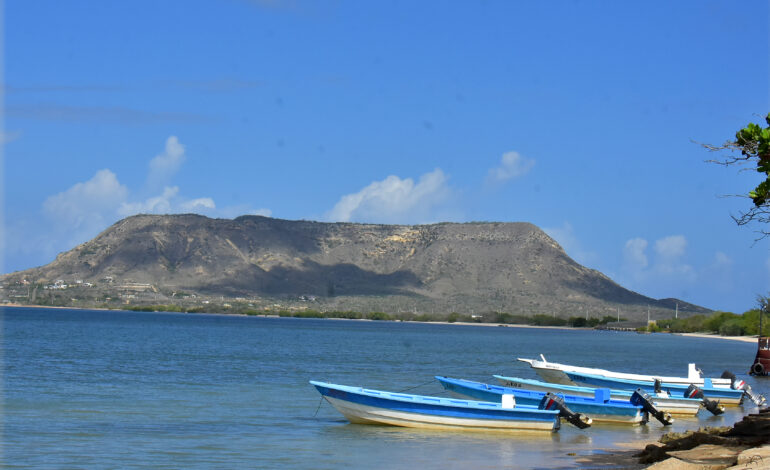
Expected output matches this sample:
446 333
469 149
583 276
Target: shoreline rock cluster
745 445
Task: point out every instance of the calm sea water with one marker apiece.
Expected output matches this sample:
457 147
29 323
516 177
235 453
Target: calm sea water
109 389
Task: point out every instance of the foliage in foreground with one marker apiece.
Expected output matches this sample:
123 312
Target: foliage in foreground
751 148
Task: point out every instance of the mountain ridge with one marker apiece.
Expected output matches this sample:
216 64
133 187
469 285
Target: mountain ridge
513 267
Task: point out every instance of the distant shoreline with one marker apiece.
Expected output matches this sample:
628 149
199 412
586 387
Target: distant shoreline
744 339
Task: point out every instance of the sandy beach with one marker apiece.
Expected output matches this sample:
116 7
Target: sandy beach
746 339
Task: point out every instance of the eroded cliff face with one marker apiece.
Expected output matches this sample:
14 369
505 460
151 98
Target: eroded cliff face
512 267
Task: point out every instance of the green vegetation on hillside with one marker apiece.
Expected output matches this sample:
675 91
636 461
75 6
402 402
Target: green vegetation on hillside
723 323
454 317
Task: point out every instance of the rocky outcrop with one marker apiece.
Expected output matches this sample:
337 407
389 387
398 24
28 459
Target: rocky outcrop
511 267
745 445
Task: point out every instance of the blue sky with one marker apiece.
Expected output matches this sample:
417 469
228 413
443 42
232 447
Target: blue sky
577 116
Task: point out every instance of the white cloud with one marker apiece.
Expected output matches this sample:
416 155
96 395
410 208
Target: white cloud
634 256
166 164
87 205
565 236
667 274
9 136
669 251
394 200
79 213
200 204
721 260
512 165
718 276
161 204
671 247
168 202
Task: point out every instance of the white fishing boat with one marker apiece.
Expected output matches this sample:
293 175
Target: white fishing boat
727 389
555 372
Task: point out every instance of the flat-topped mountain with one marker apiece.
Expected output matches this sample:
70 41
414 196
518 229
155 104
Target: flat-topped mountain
510 267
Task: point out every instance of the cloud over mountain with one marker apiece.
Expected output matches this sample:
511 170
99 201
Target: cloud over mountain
78 213
512 165
394 200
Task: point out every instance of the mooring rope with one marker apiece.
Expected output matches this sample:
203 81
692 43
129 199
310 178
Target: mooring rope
416 386
320 402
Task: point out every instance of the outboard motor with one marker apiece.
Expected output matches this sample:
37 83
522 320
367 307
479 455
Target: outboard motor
738 384
713 406
554 402
641 398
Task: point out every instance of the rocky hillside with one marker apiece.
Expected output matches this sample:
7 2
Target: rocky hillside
511 267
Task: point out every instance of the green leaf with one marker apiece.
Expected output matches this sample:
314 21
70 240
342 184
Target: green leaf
760 193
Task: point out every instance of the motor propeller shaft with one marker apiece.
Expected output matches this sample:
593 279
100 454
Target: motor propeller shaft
738 384
554 402
641 398
712 405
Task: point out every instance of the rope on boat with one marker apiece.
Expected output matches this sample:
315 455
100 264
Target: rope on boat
320 402
417 386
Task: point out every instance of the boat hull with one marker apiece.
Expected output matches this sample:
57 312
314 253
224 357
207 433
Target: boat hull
364 406
715 389
761 365
726 396
600 411
550 372
679 406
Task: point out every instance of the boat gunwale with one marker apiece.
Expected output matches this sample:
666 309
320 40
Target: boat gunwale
717 382
569 399
441 402
586 389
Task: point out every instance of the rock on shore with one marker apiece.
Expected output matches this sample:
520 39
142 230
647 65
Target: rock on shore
746 445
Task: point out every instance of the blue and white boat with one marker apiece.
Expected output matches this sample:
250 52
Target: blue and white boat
600 408
365 406
726 396
715 389
676 405
555 372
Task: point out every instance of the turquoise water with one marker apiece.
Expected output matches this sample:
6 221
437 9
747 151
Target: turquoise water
108 389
